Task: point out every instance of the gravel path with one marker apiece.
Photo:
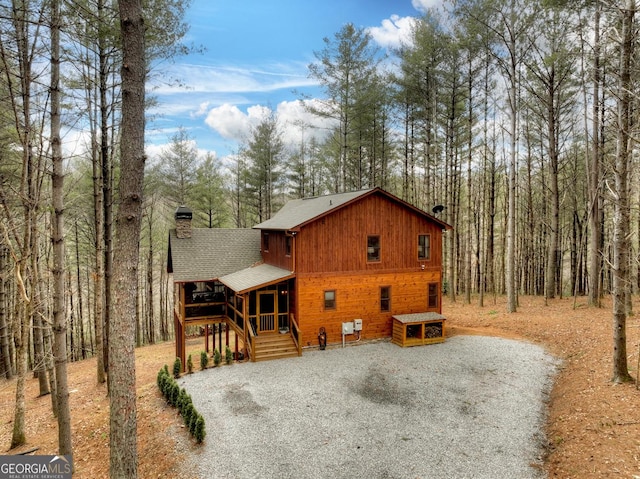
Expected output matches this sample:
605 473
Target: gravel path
472 407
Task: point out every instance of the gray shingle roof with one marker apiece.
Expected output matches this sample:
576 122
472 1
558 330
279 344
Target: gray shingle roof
296 212
212 252
418 317
255 276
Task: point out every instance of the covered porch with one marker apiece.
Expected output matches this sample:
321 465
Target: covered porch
251 309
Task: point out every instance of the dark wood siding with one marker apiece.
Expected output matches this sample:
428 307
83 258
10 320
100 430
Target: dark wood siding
338 241
277 253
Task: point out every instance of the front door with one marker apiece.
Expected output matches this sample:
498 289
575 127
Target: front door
267 312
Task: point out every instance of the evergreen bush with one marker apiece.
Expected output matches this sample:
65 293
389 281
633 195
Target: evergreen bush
175 392
164 381
160 378
177 368
200 431
181 399
189 365
187 413
216 357
204 360
228 355
193 421
187 407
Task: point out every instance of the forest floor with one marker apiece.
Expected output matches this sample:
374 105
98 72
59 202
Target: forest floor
593 426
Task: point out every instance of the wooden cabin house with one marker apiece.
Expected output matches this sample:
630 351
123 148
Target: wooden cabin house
333 269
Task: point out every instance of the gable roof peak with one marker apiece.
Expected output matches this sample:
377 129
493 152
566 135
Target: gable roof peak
297 212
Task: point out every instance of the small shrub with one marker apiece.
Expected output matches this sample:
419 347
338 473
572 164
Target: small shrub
193 422
160 378
204 360
228 355
187 413
174 393
216 358
189 365
164 381
177 368
200 432
181 398
187 407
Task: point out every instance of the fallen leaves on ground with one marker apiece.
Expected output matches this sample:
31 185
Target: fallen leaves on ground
593 426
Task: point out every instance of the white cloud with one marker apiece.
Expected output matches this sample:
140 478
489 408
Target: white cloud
233 78
394 32
424 5
294 117
232 123
202 110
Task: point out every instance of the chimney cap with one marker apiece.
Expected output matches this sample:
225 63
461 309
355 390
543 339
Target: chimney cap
183 213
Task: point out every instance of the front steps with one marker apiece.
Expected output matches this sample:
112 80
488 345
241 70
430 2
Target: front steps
274 346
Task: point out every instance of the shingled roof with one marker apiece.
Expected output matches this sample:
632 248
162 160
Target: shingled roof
255 276
296 213
212 252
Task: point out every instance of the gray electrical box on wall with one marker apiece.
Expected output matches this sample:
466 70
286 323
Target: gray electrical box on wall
347 328
357 325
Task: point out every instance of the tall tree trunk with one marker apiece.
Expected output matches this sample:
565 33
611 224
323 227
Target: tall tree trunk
22 110
621 222
510 269
554 224
470 217
7 368
18 437
57 239
38 311
122 394
83 345
151 336
107 188
595 254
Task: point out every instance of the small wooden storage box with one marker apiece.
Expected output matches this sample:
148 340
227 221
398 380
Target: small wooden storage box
418 329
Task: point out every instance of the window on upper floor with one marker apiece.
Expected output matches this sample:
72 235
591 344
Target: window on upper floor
287 245
424 247
373 248
265 241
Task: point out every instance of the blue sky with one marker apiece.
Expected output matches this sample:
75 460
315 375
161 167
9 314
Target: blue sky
256 58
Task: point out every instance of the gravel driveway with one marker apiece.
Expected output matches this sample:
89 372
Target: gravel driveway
472 407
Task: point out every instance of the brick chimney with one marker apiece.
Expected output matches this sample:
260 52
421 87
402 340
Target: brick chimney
183 222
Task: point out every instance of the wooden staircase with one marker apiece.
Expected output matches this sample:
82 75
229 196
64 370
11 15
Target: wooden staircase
275 346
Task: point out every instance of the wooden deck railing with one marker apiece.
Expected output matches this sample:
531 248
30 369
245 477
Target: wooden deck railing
296 334
267 322
251 343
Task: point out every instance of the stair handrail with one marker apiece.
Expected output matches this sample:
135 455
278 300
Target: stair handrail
296 334
251 335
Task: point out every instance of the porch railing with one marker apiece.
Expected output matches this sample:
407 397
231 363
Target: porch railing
296 334
267 322
251 343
